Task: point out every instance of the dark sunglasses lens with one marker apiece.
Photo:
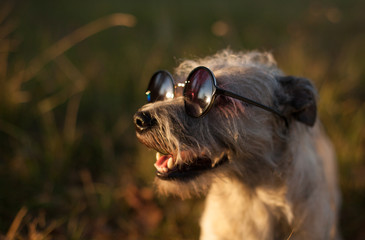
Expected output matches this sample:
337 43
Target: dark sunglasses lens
161 87
198 92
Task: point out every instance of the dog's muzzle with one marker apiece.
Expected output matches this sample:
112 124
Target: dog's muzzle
166 164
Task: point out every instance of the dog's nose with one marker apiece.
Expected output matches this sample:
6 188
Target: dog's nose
144 121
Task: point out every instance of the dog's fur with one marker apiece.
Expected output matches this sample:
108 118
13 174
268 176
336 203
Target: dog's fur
279 182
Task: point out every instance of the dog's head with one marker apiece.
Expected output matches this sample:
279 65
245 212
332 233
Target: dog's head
234 139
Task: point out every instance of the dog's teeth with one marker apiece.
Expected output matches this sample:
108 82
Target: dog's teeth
160 169
170 163
165 170
158 155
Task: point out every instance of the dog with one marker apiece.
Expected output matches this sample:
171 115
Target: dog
233 127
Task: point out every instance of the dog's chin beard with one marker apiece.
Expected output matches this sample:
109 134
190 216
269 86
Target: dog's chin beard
167 169
190 184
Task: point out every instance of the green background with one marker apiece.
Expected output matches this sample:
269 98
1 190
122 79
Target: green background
70 164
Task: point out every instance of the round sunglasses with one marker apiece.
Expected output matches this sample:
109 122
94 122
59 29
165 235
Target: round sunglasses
200 91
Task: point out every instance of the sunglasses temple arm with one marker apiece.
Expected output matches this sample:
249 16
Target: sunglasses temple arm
233 95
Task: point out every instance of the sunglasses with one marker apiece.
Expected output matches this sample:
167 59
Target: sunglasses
200 91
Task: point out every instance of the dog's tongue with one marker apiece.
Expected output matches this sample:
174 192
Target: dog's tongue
162 161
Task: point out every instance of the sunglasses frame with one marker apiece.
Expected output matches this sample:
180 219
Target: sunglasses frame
219 91
171 79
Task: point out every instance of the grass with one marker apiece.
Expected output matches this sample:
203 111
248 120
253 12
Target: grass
71 77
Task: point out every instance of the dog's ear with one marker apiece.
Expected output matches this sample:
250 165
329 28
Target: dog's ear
299 99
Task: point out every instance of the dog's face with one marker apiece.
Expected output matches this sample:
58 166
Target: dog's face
234 139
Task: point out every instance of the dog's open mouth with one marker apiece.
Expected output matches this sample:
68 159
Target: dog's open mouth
167 169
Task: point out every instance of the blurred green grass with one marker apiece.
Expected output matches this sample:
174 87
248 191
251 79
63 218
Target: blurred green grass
70 165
